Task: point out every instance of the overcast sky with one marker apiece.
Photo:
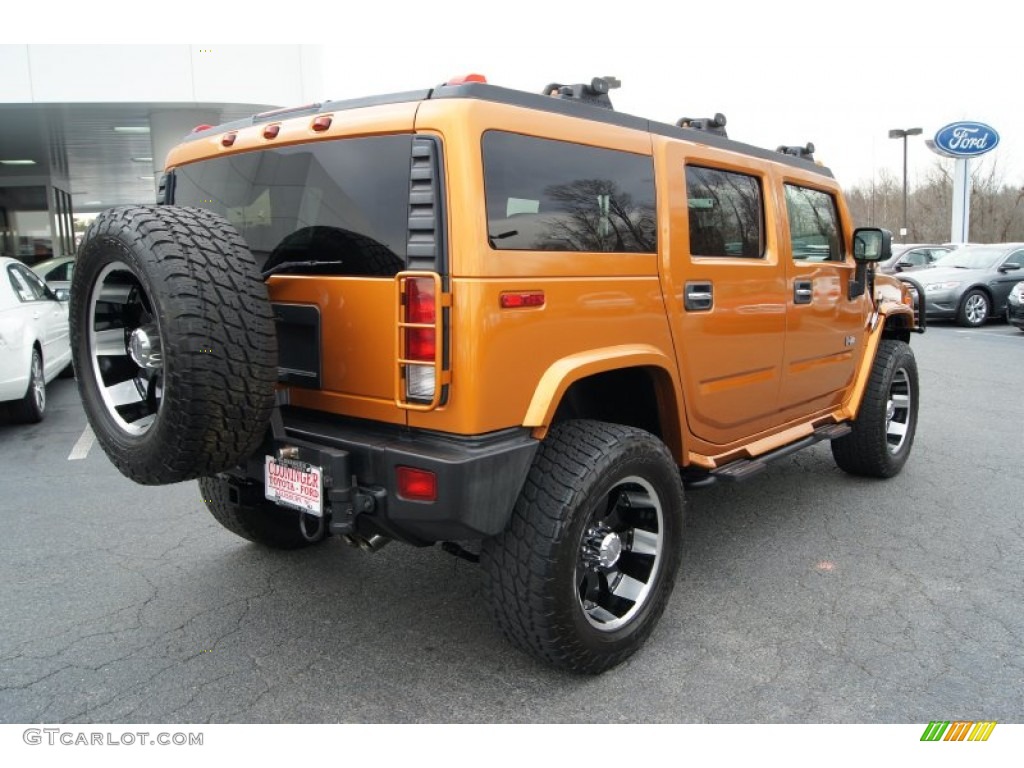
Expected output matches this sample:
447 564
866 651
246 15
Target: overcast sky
837 74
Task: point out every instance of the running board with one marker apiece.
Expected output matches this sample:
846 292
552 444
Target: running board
744 469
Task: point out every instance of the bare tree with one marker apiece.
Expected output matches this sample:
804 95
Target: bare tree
997 207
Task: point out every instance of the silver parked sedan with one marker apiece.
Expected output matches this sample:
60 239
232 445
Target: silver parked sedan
972 283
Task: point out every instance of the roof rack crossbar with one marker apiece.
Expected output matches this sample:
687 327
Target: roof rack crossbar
715 125
596 92
806 152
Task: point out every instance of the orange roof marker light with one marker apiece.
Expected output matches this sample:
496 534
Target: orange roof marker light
229 138
463 79
201 127
271 131
322 123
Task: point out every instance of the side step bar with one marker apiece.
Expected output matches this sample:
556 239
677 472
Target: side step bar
744 469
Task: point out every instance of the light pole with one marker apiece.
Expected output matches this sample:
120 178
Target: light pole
899 133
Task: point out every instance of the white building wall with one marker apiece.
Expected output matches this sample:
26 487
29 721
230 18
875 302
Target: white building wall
178 74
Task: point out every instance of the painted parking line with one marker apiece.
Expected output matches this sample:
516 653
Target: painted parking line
81 449
994 334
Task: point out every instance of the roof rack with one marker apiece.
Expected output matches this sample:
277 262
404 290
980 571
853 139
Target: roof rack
805 152
715 125
595 93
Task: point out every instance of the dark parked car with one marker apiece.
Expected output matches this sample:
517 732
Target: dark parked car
914 256
972 283
1015 306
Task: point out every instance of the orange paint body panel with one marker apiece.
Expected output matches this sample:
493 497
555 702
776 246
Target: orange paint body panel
753 373
356 343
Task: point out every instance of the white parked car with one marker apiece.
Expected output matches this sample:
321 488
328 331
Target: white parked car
57 274
35 346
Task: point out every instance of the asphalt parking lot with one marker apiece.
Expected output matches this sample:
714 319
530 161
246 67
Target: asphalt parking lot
805 595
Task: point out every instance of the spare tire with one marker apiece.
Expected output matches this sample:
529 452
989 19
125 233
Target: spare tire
173 342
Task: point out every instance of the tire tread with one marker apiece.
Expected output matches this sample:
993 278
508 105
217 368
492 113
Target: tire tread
217 327
864 451
520 565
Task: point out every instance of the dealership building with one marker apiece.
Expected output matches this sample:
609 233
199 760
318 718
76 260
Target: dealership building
87 127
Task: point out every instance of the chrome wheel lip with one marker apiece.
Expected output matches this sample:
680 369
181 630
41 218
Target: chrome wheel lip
140 426
38 382
899 411
595 614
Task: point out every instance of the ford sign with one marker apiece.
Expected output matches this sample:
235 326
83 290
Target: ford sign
966 139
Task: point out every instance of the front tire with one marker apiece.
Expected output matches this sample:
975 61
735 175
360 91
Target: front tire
974 309
883 433
584 570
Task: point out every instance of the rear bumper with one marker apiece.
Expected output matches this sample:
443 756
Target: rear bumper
478 477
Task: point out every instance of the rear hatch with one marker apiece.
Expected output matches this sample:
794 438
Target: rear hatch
331 221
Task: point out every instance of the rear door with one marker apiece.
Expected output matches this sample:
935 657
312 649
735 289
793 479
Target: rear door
46 315
728 294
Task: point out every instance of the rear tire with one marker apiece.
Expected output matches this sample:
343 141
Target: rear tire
263 522
173 341
883 433
587 563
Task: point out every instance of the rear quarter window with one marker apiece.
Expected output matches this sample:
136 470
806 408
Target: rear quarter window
547 195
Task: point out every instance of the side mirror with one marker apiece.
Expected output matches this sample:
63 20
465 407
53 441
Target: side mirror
1009 268
62 294
871 244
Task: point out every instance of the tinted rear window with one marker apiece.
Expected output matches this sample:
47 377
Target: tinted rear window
546 195
343 202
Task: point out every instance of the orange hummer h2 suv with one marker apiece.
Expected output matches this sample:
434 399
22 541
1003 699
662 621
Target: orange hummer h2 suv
515 324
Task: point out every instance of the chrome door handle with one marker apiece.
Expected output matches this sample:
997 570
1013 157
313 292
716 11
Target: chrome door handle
802 292
698 297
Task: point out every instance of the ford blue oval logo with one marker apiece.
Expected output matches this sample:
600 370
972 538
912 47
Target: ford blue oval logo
966 139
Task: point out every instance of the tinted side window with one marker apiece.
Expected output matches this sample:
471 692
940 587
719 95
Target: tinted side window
813 224
63 272
916 258
26 284
21 288
1016 258
545 195
726 213
343 204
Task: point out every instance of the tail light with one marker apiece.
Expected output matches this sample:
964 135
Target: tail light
421 375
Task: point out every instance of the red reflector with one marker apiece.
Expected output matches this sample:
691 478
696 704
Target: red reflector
463 79
271 131
417 484
419 300
322 123
203 127
522 299
229 139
